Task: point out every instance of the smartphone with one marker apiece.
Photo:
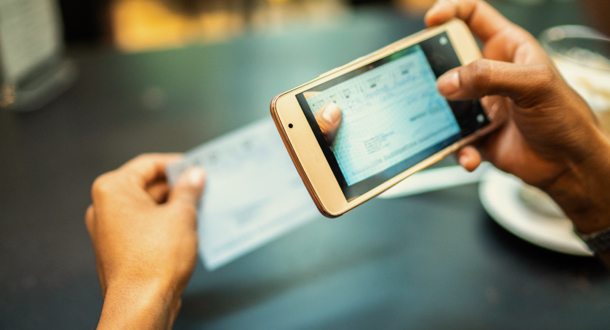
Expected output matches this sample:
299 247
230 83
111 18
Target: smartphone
394 122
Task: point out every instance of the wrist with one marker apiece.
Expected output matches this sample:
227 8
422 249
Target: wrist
583 190
139 304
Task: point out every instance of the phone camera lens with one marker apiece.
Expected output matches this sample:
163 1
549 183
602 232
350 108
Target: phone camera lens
289 125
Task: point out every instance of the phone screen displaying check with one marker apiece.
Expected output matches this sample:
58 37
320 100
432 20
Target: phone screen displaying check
392 115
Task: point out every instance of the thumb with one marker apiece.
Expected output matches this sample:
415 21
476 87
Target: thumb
526 85
329 119
189 187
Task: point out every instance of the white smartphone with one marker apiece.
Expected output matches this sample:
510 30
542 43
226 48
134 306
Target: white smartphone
394 122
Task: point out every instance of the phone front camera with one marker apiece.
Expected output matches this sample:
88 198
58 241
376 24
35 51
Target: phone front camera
289 125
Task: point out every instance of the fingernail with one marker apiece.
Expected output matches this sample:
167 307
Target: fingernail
436 8
433 9
493 111
332 113
463 160
449 83
195 176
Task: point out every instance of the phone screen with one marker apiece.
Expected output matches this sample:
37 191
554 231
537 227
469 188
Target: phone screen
392 115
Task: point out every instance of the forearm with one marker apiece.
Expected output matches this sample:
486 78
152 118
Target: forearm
139 306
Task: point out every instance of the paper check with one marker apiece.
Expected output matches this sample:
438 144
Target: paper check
253 193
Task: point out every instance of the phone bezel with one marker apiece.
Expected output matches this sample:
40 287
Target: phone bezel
303 146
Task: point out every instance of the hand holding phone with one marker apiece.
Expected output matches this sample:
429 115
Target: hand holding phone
551 138
361 128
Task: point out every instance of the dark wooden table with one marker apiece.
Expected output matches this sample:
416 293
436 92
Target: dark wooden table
425 262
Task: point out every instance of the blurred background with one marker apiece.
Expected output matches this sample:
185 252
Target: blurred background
136 25
34 33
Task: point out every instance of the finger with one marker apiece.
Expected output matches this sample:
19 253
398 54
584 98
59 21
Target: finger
310 94
100 273
329 119
147 168
494 107
482 19
502 38
90 222
158 191
524 84
90 219
188 189
469 158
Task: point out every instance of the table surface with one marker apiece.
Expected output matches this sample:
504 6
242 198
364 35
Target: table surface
429 261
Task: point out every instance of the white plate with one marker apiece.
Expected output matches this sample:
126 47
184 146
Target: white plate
499 193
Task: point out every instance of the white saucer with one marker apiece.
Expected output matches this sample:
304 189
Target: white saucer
499 193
